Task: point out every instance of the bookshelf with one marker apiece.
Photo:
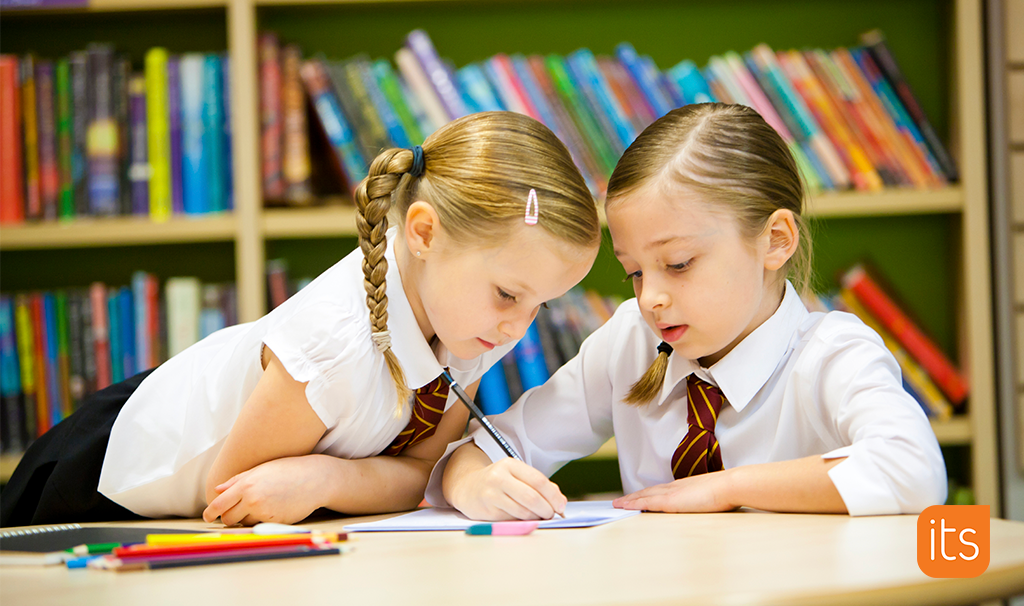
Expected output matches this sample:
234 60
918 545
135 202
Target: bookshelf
944 278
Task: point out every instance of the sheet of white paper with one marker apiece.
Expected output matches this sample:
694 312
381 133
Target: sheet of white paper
578 514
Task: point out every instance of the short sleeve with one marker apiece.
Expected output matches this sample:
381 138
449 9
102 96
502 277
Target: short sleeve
329 348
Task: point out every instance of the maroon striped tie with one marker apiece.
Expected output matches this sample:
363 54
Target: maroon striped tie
427 408
698 452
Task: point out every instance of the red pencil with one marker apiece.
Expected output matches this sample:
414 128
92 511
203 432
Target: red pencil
215 546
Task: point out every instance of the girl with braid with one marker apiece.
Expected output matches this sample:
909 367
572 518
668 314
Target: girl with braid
721 389
333 399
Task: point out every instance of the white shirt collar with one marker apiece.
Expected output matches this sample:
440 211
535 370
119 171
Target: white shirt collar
745 369
414 353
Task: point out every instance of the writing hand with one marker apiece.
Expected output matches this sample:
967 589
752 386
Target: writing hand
508 490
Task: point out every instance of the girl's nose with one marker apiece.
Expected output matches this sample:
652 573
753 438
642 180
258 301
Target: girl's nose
652 295
515 327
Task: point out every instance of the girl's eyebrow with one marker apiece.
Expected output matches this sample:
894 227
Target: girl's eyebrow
661 242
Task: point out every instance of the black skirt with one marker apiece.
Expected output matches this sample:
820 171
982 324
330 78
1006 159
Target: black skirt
57 478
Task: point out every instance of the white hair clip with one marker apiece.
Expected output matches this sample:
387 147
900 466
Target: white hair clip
531 219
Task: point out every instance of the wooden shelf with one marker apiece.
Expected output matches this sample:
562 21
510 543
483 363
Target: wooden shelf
117 231
317 222
889 202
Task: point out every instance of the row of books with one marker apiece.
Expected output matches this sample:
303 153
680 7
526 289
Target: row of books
553 339
56 347
847 114
928 374
84 135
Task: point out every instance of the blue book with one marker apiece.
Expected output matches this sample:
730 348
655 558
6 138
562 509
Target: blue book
194 162
477 90
691 82
587 93
229 172
140 314
174 129
114 328
386 113
333 121
533 369
646 79
126 316
590 75
11 422
493 391
213 132
56 395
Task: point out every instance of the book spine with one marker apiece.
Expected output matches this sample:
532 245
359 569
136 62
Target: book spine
12 192
174 132
102 138
226 146
760 102
389 85
24 333
357 121
586 66
643 79
423 48
691 82
295 151
533 370
371 130
152 299
30 130
194 162
126 317
116 342
158 138
585 122
66 205
211 316
493 391
49 171
886 61
213 132
10 381
100 334
394 127
277 282
632 100
499 67
183 305
76 362
55 405
140 315
121 75
333 122
63 355
270 116
924 350
79 128
924 389
592 105
421 89
139 173
88 344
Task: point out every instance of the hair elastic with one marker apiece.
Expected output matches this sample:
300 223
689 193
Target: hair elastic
418 163
382 340
531 219
665 348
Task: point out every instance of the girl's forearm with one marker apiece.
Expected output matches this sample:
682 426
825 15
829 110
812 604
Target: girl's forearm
373 485
797 486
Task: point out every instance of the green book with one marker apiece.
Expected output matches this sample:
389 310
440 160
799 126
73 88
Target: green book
392 90
66 206
585 121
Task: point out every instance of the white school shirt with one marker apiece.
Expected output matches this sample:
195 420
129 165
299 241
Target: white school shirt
171 429
800 384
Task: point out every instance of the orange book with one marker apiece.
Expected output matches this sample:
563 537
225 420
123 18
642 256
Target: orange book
886 164
12 195
42 385
917 173
862 172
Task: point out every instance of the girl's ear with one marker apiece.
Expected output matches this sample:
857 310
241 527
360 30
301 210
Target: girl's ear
783 238
421 227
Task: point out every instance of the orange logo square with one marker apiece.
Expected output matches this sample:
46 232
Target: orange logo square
953 541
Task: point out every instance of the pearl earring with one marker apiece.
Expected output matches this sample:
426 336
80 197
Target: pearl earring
417 253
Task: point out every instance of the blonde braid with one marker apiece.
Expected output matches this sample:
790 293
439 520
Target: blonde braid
373 201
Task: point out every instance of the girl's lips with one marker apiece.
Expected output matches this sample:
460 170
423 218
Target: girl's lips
671 334
486 344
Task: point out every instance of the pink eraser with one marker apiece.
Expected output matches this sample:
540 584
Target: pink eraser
503 528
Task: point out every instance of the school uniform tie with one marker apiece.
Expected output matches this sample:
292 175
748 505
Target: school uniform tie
427 408
698 452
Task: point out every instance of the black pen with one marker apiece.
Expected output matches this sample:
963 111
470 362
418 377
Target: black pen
479 416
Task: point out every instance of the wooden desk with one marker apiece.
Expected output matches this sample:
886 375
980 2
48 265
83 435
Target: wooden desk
651 559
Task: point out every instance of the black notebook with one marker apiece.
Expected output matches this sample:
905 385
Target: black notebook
42 539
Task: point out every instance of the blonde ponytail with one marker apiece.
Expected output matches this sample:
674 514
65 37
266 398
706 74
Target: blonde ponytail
644 390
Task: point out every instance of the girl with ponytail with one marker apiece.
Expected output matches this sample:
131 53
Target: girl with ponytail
720 388
333 399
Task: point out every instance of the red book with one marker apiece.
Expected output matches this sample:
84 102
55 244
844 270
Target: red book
12 196
100 334
153 315
42 368
510 85
270 116
922 348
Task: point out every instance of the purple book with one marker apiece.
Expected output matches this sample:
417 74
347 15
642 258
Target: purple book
174 126
419 42
139 171
49 174
102 135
